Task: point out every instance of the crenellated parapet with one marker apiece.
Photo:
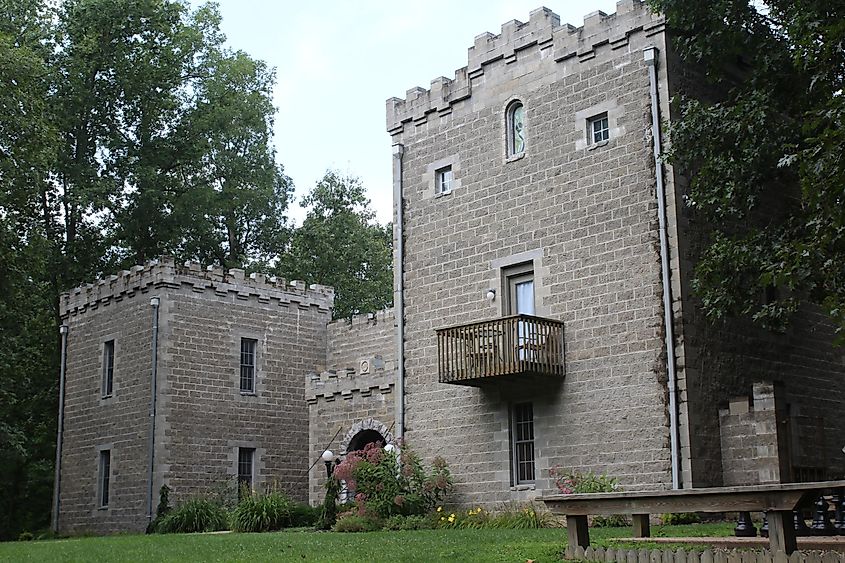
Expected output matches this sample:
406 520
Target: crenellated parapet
544 33
166 273
331 385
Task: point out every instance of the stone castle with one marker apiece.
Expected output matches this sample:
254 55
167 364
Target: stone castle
542 315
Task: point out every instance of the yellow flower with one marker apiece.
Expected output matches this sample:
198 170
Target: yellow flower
439 509
451 518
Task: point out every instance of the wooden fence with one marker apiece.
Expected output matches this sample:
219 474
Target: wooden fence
707 556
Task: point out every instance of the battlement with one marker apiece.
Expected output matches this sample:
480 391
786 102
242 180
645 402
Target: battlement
542 32
345 383
385 316
165 273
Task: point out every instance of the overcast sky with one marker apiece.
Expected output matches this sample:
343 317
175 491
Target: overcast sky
338 61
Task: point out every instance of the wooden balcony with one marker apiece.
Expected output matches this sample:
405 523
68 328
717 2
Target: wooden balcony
511 347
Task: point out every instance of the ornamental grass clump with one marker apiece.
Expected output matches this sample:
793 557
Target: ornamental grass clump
194 515
262 513
511 516
387 483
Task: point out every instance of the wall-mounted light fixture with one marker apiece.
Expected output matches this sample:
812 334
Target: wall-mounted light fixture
491 294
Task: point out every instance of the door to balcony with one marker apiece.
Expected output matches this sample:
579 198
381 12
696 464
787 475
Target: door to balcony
517 346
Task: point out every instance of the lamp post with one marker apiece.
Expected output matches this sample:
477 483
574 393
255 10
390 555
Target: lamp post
328 459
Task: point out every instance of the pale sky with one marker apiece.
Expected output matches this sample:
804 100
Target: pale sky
338 61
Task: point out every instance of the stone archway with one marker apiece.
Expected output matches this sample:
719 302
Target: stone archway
364 432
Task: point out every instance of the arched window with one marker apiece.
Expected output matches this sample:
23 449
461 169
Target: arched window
516 128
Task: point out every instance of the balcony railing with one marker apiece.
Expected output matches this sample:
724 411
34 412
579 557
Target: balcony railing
520 345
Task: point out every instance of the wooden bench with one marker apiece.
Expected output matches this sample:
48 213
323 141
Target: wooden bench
778 500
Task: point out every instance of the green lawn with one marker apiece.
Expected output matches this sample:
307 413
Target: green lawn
300 545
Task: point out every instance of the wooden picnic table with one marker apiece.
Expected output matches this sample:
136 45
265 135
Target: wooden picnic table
778 500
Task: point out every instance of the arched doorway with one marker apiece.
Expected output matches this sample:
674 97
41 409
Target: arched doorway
360 440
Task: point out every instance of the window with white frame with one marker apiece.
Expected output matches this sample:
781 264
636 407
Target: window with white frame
249 347
103 478
515 124
522 443
107 387
443 180
598 128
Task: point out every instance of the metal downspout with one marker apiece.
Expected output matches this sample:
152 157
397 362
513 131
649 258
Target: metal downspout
399 289
57 489
154 302
650 57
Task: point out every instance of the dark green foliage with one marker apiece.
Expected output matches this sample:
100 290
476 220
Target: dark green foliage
195 515
328 512
262 513
303 515
764 153
162 510
352 522
340 244
677 518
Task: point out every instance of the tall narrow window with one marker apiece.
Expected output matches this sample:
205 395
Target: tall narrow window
522 430
108 368
443 180
248 347
246 458
598 129
103 478
516 129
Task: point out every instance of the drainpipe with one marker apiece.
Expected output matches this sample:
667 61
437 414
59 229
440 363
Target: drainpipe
650 57
154 302
399 289
54 526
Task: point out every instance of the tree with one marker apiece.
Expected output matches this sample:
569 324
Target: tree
234 211
126 131
339 244
765 158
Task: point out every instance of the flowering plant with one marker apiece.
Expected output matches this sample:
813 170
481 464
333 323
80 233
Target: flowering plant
391 483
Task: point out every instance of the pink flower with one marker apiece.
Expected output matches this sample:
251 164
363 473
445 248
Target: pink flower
398 500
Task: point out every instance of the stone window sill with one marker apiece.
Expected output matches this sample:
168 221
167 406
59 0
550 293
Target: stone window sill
524 487
442 194
515 157
249 394
595 146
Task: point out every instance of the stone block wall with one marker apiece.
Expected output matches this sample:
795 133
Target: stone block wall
583 214
119 423
355 394
202 418
749 438
719 360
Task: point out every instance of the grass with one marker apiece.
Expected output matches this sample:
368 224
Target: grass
541 545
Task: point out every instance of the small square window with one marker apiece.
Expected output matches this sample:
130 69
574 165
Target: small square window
443 180
248 348
598 129
108 368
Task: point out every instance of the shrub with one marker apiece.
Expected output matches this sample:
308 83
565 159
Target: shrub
611 521
262 513
387 483
26 536
513 516
413 522
676 518
302 515
356 523
328 512
195 515
569 481
162 509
